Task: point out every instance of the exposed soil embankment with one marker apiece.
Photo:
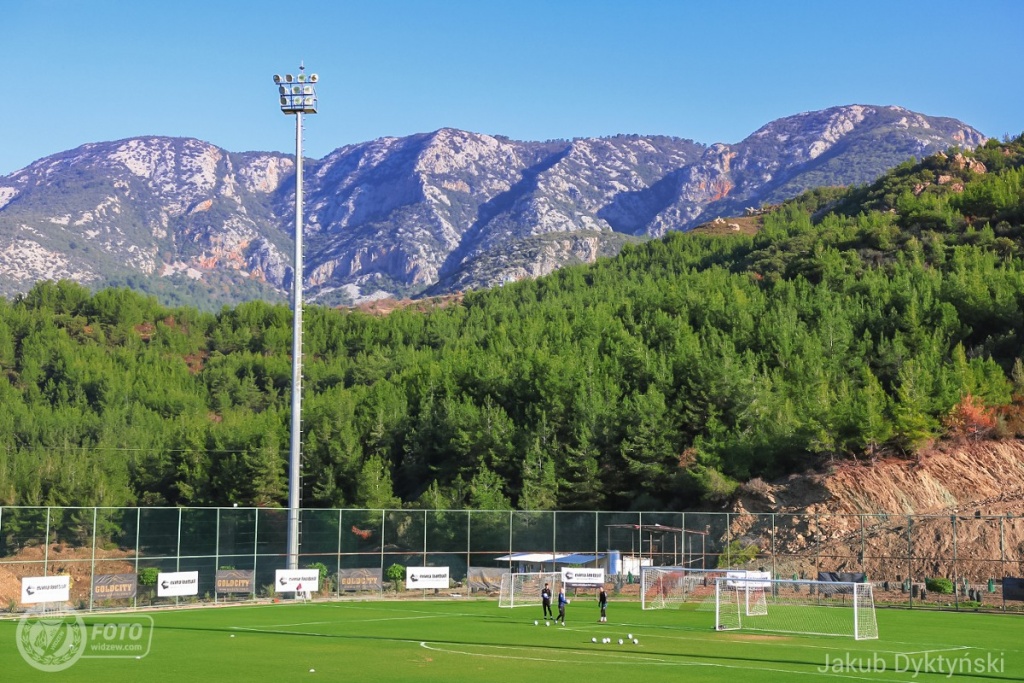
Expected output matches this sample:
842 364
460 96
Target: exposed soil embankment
960 501
988 476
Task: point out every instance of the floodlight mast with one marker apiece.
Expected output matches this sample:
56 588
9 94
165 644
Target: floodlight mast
298 97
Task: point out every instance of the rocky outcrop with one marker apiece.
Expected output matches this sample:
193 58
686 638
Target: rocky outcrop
963 500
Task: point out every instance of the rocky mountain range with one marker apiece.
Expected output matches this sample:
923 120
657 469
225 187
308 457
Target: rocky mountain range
426 214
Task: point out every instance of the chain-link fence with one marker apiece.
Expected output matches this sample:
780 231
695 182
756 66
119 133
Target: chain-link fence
115 556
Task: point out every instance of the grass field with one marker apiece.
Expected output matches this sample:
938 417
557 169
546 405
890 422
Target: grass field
454 641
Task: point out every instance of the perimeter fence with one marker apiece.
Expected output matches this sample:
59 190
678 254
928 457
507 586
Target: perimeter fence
113 556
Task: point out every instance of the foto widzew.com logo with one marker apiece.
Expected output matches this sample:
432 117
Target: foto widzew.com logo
52 642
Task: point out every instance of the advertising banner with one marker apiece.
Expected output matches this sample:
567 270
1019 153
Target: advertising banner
115 586
176 584
236 581
591 577
296 580
35 589
417 578
360 580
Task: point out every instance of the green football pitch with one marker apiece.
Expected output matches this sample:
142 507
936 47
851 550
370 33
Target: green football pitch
454 641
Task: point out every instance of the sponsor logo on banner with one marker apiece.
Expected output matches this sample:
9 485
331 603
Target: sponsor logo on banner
115 586
360 580
235 581
176 584
583 576
296 580
35 589
426 577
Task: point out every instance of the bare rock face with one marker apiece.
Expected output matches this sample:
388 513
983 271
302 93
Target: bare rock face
965 494
426 214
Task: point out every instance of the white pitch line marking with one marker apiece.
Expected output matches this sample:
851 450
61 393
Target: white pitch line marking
633 659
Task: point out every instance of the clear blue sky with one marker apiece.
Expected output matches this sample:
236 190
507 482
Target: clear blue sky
81 71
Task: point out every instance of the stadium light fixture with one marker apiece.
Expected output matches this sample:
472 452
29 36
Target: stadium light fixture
297 95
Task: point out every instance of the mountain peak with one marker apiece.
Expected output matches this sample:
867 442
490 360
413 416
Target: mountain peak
434 212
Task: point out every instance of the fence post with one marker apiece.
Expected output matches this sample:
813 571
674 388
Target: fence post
255 548
775 573
1002 557
383 519
863 547
138 528
910 560
554 537
469 547
216 557
92 566
817 546
337 577
46 544
177 556
684 559
728 539
640 537
956 573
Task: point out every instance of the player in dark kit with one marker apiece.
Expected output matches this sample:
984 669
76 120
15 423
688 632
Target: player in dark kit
562 602
602 600
545 600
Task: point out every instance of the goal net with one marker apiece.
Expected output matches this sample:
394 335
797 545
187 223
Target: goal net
823 608
662 587
523 589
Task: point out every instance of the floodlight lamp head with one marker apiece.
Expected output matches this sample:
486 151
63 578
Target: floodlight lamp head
289 77
277 78
313 78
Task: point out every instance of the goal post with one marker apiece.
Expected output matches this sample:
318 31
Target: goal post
523 589
663 587
823 608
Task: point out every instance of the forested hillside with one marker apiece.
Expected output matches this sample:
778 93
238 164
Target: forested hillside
852 324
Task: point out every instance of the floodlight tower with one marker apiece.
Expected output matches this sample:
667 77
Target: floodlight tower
298 97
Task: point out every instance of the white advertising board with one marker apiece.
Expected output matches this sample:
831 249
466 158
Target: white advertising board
45 589
426 577
176 584
296 580
748 579
583 576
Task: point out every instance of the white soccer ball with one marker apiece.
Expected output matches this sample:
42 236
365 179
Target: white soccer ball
636 642
547 623
312 671
620 641
593 640
535 622
568 602
630 636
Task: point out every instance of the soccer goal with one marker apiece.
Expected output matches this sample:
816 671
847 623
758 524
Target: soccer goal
523 589
662 587
822 608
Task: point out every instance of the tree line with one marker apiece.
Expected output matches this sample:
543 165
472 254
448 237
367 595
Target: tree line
855 324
